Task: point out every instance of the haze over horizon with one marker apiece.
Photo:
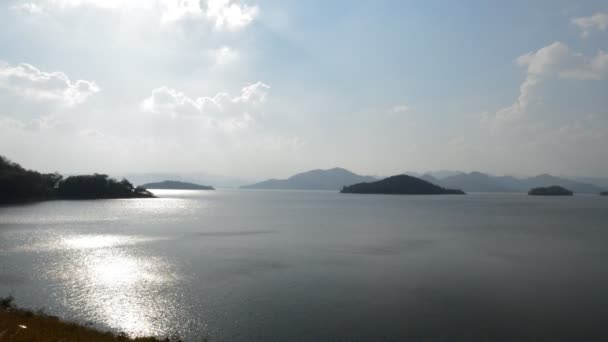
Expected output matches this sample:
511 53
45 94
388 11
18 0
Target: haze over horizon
265 89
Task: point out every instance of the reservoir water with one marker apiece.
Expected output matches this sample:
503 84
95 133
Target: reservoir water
233 265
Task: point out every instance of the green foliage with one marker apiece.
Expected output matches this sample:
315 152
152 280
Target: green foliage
18 184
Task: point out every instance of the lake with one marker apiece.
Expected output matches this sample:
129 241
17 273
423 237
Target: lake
257 265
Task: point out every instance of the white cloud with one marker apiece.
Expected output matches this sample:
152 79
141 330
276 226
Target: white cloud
554 60
229 15
596 22
175 10
254 93
27 81
28 8
222 14
107 4
220 111
558 59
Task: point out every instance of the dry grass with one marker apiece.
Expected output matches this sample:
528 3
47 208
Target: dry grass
23 325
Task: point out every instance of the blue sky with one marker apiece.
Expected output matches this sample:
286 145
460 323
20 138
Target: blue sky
268 88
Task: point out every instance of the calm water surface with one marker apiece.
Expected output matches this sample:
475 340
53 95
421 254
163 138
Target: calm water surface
304 265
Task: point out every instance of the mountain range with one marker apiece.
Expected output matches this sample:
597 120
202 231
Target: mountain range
482 182
332 179
176 185
336 178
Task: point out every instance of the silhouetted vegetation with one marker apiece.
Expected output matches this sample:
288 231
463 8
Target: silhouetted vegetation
400 185
98 186
176 185
24 325
550 191
19 185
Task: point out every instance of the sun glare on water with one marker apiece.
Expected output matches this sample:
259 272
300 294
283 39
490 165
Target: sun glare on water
117 282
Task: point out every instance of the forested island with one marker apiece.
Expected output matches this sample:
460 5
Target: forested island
176 185
18 184
604 193
400 185
554 190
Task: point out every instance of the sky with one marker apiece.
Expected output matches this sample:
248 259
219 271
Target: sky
267 88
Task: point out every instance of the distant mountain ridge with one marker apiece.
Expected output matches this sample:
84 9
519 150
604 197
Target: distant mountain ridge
331 179
176 185
482 182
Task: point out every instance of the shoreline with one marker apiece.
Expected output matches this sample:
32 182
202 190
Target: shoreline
18 324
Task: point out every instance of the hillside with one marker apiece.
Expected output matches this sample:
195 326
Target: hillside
481 182
400 185
176 185
553 190
332 179
18 184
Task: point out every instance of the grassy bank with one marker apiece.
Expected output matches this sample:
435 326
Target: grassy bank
23 325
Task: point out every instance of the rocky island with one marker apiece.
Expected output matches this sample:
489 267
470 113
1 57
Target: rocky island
400 185
554 190
176 185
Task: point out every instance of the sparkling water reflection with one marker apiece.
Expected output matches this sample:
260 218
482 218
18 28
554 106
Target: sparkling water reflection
261 265
111 281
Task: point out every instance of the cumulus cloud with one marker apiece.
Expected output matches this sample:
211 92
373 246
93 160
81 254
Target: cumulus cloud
229 15
27 81
254 93
596 22
558 59
221 111
554 60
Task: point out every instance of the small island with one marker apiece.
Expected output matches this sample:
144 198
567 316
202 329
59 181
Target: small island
604 193
176 185
554 190
18 184
400 185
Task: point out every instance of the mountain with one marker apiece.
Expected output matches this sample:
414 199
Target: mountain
218 181
332 179
176 185
476 182
481 182
400 185
431 179
546 180
553 190
439 175
597 181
